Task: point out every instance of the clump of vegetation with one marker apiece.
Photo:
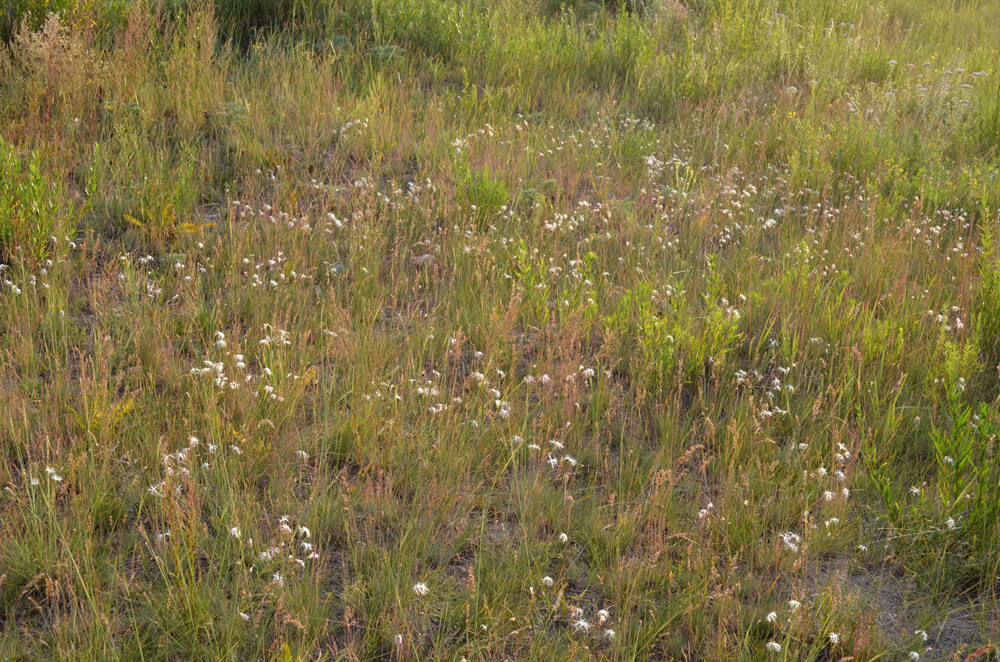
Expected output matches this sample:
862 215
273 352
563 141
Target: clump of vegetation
50 79
484 196
34 211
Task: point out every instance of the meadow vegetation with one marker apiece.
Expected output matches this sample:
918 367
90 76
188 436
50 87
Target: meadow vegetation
499 329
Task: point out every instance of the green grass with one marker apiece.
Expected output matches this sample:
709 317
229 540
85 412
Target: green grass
634 330
33 210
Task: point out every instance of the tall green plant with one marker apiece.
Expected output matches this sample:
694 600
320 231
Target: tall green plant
31 207
968 471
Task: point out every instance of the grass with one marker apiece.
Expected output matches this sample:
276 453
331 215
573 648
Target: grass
385 329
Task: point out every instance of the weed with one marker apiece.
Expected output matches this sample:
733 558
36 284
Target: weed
34 213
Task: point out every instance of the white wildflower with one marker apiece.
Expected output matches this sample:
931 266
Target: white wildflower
791 541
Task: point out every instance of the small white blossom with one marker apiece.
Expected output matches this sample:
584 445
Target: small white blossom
791 541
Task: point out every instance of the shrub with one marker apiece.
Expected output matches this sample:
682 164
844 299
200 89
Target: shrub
49 77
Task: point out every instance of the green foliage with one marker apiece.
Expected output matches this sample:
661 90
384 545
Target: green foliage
987 310
968 484
988 122
241 21
483 194
649 338
32 12
33 209
103 17
244 21
154 190
964 463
